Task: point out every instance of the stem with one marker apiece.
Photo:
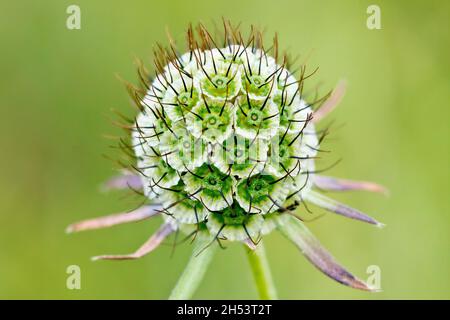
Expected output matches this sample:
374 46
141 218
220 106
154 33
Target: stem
194 271
261 272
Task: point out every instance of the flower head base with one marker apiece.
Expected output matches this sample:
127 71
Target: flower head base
224 145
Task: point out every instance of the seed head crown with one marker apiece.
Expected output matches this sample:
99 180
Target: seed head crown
224 138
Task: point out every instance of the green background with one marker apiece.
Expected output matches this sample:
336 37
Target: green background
57 88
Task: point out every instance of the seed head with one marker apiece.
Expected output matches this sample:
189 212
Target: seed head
224 147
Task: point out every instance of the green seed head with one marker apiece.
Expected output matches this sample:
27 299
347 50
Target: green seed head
225 127
224 148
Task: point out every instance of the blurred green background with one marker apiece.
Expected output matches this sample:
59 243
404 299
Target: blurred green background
57 88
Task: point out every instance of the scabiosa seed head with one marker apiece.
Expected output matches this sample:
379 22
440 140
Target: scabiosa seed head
227 134
224 146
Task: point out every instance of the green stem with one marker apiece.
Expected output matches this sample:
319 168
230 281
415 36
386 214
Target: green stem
194 271
261 272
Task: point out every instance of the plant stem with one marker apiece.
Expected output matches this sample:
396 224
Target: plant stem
261 272
194 271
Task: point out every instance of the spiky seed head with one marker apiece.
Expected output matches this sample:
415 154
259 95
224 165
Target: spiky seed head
225 148
224 139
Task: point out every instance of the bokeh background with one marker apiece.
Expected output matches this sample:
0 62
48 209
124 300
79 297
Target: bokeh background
57 89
